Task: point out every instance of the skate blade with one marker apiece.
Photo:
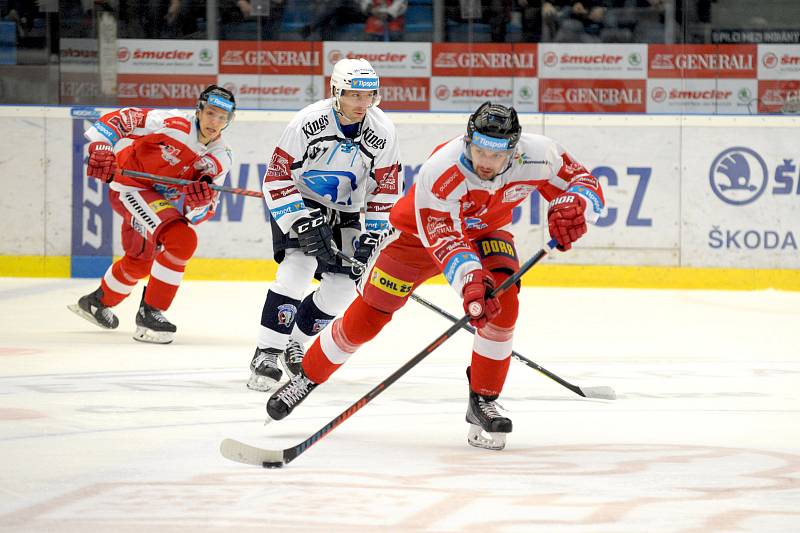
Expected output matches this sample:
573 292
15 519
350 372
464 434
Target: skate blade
75 308
154 337
261 383
488 441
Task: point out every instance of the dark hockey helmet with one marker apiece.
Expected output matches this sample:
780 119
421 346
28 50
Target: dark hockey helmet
218 97
497 127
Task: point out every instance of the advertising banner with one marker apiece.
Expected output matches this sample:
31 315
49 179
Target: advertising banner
404 94
484 59
273 92
689 96
161 90
465 93
592 96
702 61
388 59
270 57
591 61
167 56
779 96
740 198
78 55
779 62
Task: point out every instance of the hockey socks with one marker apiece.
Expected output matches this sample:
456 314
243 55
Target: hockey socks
310 320
277 320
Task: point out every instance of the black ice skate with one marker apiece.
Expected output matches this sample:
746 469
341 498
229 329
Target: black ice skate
292 358
153 326
90 308
264 371
289 396
487 427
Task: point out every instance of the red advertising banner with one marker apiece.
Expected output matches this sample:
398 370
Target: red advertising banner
270 57
593 96
778 96
402 94
161 90
480 59
702 61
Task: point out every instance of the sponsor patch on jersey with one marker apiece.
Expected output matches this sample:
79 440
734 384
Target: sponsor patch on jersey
178 123
279 166
386 178
376 207
436 224
375 225
278 212
447 182
284 192
170 154
516 193
490 247
392 285
456 262
315 126
448 248
371 139
107 132
597 204
159 205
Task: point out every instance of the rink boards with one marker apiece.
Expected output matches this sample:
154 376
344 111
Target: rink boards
692 201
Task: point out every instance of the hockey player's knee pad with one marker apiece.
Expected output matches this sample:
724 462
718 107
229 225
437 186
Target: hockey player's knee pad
335 292
362 322
179 239
135 268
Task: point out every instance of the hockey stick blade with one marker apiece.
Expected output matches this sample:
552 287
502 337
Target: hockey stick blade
244 453
601 392
250 455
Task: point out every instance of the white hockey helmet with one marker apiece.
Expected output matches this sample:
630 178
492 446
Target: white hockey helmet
354 75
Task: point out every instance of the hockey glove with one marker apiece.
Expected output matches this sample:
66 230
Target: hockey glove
315 236
102 161
366 244
565 219
480 308
198 193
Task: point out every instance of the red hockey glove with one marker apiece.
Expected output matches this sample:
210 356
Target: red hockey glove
481 309
102 161
198 193
565 219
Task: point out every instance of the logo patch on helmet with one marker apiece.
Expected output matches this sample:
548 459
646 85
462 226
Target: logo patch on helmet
220 102
490 143
364 83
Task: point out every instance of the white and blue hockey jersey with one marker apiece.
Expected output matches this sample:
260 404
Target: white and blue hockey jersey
315 160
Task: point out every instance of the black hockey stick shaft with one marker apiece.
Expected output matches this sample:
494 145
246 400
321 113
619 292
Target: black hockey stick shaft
180 181
516 355
289 454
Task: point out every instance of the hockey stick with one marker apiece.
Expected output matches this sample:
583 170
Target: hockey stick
244 453
179 181
602 392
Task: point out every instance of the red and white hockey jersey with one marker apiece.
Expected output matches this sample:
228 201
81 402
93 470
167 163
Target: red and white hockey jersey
449 206
164 143
313 159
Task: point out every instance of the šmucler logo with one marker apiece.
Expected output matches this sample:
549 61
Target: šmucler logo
738 175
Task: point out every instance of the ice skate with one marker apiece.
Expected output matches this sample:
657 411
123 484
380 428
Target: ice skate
289 396
488 428
90 308
153 326
292 358
264 370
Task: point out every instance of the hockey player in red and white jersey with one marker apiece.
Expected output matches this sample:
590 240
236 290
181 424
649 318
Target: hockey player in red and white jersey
455 221
336 158
157 235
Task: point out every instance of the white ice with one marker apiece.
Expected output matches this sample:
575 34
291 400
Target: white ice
101 433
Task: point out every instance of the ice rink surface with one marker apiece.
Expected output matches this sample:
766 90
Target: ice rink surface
101 433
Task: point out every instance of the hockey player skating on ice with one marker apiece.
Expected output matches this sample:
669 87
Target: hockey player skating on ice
157 236
337 157
454 221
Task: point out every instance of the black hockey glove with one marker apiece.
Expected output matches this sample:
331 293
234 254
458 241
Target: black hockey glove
366 244
315 236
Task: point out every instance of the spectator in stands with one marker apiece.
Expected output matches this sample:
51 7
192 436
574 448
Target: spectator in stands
155 19
385 20
495 13
251 19
581 21
330 16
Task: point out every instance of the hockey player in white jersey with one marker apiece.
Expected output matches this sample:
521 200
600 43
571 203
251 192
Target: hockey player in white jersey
336 158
